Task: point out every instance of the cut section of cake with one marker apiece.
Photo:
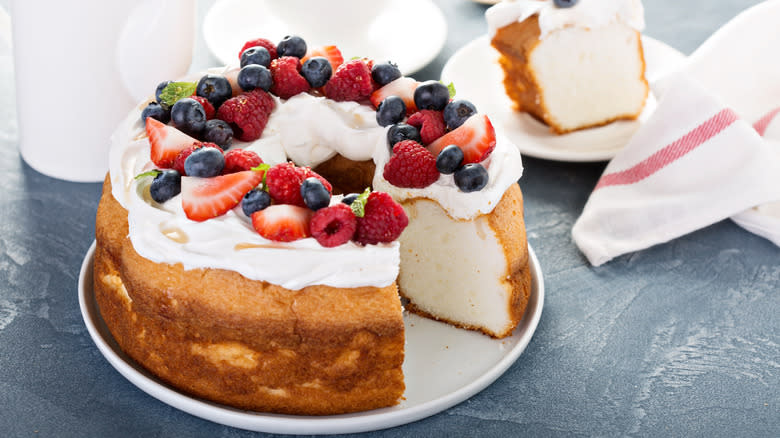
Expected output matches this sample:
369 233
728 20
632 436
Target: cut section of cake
572 68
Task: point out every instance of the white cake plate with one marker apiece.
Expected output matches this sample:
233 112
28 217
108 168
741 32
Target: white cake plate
443 366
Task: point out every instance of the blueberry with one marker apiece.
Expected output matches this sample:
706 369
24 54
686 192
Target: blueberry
188 116
218 132
457 111
215 88
564 3
204 162
255 200
317 71
256 55
314 194
385 73
471 177
254 76
390 111
349 199
449 159
165 185
156 111
432 95
402 131
291 45
160 87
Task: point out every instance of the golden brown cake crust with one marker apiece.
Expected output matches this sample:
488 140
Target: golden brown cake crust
507 222
249 344
515 42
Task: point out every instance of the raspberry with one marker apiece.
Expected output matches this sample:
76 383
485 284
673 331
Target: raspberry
351 81
333 226
247 114
207 106
284 183
411 166
306 172
271 47
383 222
178 162
237 160
430 123
288 82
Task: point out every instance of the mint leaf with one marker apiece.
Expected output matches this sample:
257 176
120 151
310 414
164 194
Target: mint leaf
264 168
153 173
451 89
358 206
177 90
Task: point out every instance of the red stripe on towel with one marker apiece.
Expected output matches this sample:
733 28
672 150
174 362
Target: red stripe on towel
671 152
764 122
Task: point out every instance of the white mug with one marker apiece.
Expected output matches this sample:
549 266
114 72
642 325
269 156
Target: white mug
82 65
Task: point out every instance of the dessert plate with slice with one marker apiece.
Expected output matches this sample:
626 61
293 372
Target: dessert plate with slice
475 72
229 23
444 366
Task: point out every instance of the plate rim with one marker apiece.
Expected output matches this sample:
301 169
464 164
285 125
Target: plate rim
290 424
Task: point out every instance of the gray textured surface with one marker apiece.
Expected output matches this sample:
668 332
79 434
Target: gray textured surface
678 340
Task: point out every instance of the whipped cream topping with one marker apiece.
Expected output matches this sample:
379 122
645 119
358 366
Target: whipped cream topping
589 14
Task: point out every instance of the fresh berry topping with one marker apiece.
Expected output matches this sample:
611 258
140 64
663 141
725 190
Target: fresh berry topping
259 42
431 95
205 162
317 71
314 194
181 158
476 138
390 111
215 88
331 53
166 142
430 123
188 116
350 82
165 185
206 198
411 166
232 78
157 112
160 87
384 73
449 159
287 78
284 183
471 177
247 114
457 112
348 199
218 132
282 223
237 160
564 3
291 45
383 221
402 87
401 132
254 76
256 55
255 200
333 226
207 106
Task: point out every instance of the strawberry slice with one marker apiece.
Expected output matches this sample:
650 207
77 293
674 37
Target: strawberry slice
475 137
282 222
331 53
166 142
402 87
207 198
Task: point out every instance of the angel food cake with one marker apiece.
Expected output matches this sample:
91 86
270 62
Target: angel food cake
571 64
227 265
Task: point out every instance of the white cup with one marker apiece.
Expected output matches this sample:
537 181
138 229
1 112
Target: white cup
81 66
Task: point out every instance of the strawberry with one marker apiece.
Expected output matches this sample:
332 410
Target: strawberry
475 137
232 77
331 53
282 223
207 198
166 142
402 87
